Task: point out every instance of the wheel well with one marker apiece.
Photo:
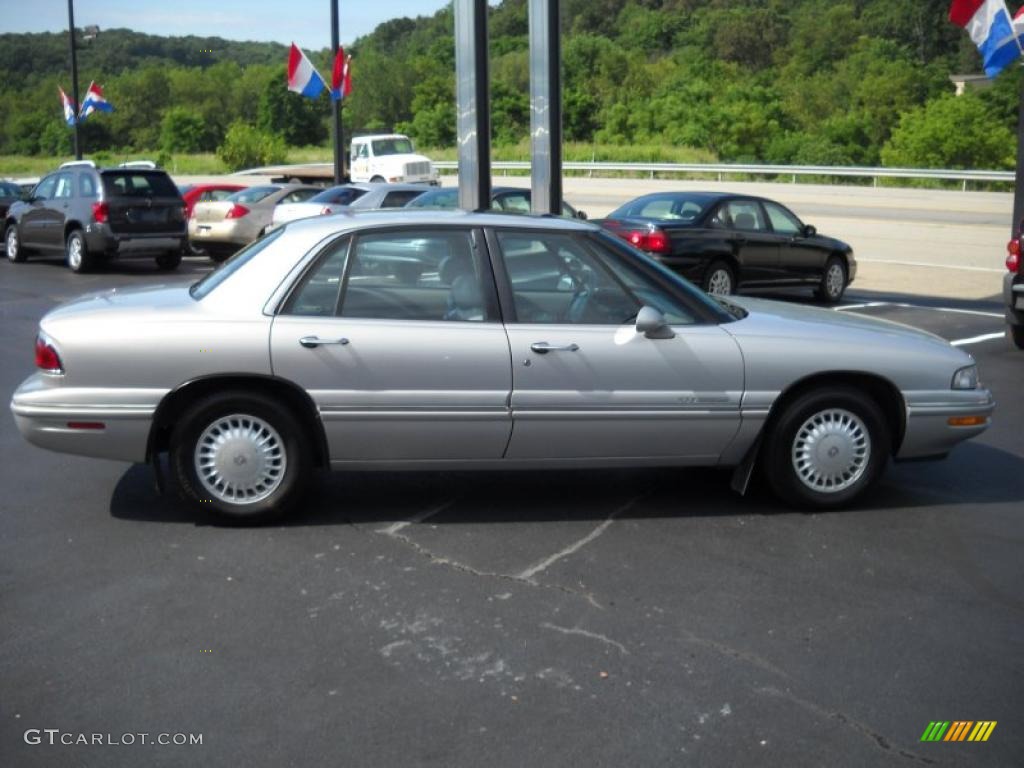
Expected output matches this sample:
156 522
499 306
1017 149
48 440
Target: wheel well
71 225
844 258
9 222
885 394
729 259
175 403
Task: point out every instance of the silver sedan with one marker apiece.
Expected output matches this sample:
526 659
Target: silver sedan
450 340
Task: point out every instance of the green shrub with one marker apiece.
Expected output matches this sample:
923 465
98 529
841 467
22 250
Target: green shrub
247 147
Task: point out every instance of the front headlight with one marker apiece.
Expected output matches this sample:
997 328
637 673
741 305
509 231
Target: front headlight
966 378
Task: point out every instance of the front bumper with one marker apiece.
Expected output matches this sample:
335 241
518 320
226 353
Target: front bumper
928 431
46 414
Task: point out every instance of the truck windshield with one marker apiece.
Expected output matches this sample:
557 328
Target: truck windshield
392 147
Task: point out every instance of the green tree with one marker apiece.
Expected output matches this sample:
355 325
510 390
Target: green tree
246 147
182 130
950 132
298 120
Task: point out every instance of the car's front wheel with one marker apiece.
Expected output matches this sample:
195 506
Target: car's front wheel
1016 334
76 252
241 456
826 448
719 280
169 261
833 281
15 251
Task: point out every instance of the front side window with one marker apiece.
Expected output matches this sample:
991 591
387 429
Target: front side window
423 275
555 278
317 294
782 220
746 215
44 190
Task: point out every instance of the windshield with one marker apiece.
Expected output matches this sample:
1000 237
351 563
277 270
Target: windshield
439 198
202 289
338 195
392 147
672 206
252 194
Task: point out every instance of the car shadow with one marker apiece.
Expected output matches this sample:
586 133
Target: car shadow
975 474
132 266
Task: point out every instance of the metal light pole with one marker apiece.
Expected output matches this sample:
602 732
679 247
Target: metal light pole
338 130
473 104
545 107
74 76
1018 187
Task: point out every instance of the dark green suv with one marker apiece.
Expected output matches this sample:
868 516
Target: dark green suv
91 214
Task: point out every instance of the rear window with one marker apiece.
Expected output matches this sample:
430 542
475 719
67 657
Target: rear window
203 288
252 194
338 196
9 190
442 198
138 184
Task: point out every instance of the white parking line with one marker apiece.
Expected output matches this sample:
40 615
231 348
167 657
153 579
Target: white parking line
930 265
976 339
904 305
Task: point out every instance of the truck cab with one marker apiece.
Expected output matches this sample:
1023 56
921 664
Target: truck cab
389 158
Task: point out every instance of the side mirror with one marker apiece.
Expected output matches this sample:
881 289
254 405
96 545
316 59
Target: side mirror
810 230
581 214
651 323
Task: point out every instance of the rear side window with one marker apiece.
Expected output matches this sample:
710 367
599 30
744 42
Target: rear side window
343 196
138 184
86 186
444 198
298 196
399 199
252 194
746 215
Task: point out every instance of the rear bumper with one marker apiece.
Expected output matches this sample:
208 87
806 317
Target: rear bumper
46 417
928 431
1013 298
230 232
99 238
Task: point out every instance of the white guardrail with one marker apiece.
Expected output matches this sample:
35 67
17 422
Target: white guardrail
723 169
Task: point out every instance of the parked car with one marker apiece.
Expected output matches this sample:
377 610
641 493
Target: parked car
389 157
206 193
221 227
536 342
1013 289
92 214
725 242
361 197
508 199
9 193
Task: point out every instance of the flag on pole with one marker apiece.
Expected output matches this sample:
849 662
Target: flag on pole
68 107
94 100
303 78
341 76
989 24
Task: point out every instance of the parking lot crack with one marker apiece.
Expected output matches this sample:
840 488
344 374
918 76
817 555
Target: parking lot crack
586 633
809 706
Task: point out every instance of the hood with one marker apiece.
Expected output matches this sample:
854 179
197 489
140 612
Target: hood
411 157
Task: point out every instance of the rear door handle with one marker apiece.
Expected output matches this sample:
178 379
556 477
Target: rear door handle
542 347
312 342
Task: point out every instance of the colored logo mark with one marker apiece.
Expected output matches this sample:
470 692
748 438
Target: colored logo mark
958 730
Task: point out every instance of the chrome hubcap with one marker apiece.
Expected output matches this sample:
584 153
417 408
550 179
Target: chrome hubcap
834 280
75 252
240 459
720 283
12 243
831 450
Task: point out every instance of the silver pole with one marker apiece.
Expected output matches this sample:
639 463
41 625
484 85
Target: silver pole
545 107
473 104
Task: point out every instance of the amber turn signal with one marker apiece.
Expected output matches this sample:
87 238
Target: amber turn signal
966 421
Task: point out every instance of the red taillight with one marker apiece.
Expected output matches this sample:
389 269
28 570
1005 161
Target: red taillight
653 240
237 211
1013 255
100 212
47 358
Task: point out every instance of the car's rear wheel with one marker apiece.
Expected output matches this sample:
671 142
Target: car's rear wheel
241 456
1016 334
826 448
15 251
168 261
833 281
719 279
76 252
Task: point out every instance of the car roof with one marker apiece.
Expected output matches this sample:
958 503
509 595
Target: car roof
349 220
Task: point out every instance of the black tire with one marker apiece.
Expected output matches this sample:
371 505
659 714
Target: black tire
719 279
377 180
15 251
76 253
168 262
833 281
253 412
218 255
1016 335
832 405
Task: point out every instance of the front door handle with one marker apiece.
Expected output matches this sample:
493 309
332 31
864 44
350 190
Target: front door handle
312 342
542 347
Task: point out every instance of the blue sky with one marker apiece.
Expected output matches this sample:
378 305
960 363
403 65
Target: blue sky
307 22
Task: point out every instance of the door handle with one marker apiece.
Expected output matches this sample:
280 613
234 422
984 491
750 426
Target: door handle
312 342
542 347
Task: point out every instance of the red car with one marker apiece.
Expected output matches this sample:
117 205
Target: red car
201 193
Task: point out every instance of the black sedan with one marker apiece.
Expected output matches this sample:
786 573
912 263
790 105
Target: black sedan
9 193
725 242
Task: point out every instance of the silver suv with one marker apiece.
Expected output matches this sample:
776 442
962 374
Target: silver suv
91 214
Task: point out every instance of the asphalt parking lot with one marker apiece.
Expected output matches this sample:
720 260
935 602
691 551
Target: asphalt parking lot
640 618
